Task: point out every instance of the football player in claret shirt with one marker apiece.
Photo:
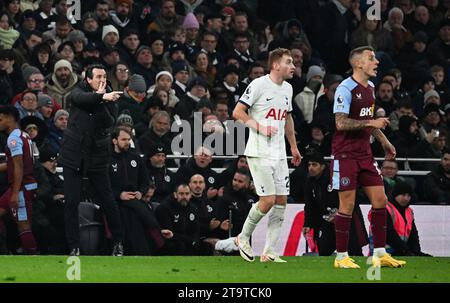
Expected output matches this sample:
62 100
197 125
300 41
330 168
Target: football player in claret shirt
353 164
266 108
19 196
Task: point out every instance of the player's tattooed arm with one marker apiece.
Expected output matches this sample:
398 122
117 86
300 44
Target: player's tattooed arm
344 123
378 134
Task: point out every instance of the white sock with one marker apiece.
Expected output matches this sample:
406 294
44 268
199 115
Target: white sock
254 216
274 224
341 255
379 251
227 245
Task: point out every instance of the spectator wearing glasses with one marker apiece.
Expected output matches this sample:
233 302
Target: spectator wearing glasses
28 105
133 98
119 76
35 81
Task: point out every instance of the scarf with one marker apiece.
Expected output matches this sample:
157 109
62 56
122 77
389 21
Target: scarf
8 37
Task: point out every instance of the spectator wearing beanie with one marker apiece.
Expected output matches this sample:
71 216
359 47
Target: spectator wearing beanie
56 129
431 96
190 24
61 83
402 237
144 64
230 82
45 106
110 36
34 80
306 101
180 72
133 98
162 178
79 40
164 81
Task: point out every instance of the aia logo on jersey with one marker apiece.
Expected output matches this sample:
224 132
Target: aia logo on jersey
366 111
276 115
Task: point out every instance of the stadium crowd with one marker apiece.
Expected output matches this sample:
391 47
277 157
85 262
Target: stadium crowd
174 58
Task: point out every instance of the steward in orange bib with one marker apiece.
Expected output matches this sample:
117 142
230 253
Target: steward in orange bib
402 238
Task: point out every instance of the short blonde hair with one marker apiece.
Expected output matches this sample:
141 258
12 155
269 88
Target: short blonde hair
277 54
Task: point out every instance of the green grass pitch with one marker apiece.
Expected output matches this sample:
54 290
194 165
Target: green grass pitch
214 269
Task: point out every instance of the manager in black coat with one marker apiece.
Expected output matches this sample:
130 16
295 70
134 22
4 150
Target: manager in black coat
86 152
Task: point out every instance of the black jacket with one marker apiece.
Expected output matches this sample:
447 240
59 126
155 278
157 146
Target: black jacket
163 179
87 141
206 213
239 202
437 186
127 173
182 221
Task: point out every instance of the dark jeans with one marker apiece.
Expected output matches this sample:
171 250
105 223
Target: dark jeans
103 195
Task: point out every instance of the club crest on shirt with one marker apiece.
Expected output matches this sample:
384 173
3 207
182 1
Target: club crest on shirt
13 143
340 99
133 163
167 178
345 181
191 217
329 188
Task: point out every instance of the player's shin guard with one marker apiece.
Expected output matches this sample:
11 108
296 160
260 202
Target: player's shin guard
378 227
28 242
254 216
342 225
274 224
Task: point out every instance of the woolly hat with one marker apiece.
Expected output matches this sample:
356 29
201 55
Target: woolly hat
178 66
190 21
125 118
109 29
77 35
314 70
431 93
63 63
141 48
164 72
137 84
60 113
156 148
402 188
176 47
47 154
29 71
197 81
44 100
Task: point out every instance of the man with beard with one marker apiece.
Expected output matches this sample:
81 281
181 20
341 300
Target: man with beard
180 219
437 182
200 164
121 17
167 20
159 133
385 97
161 178
62 82
209 225
129 182
86 153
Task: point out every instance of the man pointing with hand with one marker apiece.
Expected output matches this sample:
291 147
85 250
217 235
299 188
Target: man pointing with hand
86 152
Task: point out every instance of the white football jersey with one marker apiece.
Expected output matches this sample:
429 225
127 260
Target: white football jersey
269 104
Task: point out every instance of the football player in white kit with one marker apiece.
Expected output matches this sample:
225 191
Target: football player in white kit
266 108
